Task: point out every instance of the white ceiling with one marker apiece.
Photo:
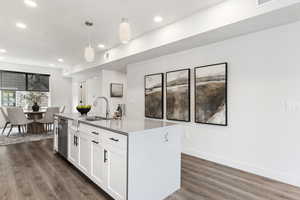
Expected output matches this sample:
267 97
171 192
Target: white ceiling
55 28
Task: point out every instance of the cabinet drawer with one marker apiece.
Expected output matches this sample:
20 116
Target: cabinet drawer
90 129
114 139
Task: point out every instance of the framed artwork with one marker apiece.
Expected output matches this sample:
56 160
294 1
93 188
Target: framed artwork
178 95
116 90
211 94
154 89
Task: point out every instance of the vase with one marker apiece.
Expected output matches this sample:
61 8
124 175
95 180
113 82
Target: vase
35 107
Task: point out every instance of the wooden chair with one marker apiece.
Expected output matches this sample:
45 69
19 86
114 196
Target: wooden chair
18 119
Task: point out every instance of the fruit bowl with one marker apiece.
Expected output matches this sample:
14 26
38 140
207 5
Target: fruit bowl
84 109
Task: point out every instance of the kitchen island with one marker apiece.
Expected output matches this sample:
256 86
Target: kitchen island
130 159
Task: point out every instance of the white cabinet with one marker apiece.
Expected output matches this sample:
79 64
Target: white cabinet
73 146
84 145
144 165
55 142
102 156
116 172
97 163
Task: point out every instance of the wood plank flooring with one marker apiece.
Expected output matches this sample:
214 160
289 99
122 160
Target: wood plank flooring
30 171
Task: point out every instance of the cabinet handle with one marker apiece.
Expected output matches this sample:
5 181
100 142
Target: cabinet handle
95 133
105 156
74 140
115 140
95 142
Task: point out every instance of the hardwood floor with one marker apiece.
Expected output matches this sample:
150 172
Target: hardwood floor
30 171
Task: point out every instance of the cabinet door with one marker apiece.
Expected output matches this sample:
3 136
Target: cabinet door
116 173
97 162
84 146
73 150
55 142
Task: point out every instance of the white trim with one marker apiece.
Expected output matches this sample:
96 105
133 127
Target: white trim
268 173
263 4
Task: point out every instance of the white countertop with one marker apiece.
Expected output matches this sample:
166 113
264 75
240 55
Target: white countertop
123 126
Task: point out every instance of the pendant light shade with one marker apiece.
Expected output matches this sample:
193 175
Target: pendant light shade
89 54
125 31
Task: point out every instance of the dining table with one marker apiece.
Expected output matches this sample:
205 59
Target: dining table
35 127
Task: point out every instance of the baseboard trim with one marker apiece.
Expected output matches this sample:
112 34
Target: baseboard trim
278 176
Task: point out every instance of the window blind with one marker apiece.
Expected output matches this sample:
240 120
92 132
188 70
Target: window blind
38 82
13 81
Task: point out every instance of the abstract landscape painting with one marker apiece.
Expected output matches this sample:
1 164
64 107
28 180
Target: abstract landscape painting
178 95
211 94
154 96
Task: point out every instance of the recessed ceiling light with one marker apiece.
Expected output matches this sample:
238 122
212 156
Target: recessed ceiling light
101 46
158 19
3 51
30 3
21 25
60 60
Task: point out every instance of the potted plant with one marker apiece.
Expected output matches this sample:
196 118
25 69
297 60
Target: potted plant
34 99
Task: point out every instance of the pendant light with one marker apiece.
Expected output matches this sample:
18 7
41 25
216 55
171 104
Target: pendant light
89 52
125 31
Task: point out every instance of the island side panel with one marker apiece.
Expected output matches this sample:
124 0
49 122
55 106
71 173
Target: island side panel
154 163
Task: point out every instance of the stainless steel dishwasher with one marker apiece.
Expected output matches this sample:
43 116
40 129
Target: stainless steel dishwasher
63 137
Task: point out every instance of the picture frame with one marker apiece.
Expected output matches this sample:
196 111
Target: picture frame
116 90
178 96
210 94
154 95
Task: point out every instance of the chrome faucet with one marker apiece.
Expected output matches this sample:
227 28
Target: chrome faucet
107 105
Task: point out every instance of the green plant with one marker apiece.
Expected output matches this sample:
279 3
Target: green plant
33 97
84 106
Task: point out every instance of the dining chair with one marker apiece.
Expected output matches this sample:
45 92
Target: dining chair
48 119
18 119
62 109
4 113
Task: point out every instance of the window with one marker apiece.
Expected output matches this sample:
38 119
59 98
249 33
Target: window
8 98
25 99
22 89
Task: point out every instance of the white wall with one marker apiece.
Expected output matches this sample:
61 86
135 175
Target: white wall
114 77
98 84
263 102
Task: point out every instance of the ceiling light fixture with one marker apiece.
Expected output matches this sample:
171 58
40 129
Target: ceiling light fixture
125 31
3 51
101 46
158 19
30 3
51 65
60 60
89 52
21 25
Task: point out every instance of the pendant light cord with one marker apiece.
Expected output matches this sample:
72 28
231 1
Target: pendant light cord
89 25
